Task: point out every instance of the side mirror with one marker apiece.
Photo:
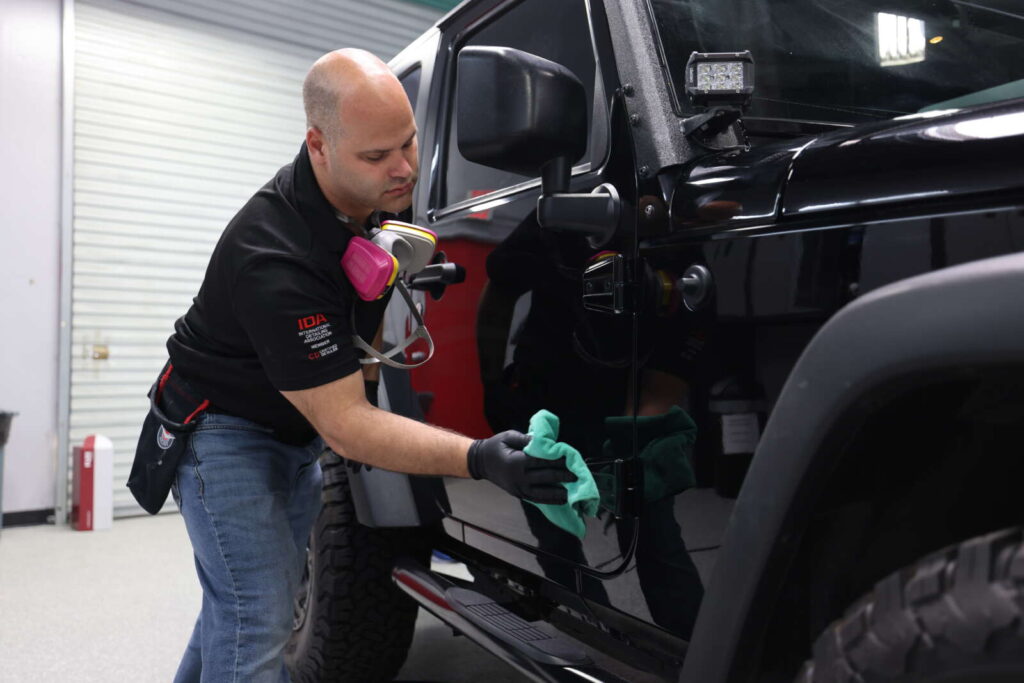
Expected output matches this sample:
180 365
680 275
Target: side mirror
520 113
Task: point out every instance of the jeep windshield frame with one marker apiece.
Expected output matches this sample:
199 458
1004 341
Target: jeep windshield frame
843 62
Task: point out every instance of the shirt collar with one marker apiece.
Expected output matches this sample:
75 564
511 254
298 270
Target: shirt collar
373 222
325 222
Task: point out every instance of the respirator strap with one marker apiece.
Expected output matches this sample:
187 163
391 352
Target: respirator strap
419 333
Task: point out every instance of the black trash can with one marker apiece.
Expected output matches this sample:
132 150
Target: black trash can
5 431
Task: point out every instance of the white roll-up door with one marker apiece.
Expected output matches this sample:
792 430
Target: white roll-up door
179 116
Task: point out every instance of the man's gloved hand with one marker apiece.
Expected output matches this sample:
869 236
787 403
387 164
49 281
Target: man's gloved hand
500 459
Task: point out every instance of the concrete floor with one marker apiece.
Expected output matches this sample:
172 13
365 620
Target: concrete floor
79 607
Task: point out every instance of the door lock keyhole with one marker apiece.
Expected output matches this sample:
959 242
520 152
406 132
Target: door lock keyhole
696 285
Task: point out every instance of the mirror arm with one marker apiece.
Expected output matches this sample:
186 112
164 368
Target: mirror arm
594 215
554 176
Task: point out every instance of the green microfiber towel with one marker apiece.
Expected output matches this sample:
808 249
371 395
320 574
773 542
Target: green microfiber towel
665 443
583 496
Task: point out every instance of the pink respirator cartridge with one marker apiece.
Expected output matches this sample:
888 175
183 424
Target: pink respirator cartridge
371 269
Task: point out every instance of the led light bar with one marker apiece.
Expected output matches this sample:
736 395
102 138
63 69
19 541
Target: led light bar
720 79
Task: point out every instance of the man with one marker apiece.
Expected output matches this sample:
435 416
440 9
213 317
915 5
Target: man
248 485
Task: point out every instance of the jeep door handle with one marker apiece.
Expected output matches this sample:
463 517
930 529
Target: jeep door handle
696 285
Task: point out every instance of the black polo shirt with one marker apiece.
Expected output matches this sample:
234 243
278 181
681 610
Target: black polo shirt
274 310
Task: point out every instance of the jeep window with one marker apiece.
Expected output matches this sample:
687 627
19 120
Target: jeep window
410 80
849 61
558 31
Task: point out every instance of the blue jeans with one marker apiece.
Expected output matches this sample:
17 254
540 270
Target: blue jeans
249 502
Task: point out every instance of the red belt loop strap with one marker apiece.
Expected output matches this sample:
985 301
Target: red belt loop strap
202 406
163 380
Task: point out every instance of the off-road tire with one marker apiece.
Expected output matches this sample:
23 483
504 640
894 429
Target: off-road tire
955 615
352 624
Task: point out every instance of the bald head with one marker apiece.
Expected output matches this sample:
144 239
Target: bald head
361 134
340 77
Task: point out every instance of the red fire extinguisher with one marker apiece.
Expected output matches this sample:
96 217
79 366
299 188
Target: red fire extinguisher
92 484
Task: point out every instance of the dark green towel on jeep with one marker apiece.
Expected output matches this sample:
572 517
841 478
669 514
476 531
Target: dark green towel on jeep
665 443
583 496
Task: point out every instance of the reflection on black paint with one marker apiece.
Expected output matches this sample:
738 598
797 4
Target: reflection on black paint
937 233
816 285
576 364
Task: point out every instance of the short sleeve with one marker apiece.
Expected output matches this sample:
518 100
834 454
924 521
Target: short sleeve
299 323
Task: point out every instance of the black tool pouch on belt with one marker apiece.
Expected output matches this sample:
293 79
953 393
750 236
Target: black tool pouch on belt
173 406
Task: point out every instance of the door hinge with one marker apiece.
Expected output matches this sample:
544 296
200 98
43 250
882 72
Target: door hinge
608 285
629 488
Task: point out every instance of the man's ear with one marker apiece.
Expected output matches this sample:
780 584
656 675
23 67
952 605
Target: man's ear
316 145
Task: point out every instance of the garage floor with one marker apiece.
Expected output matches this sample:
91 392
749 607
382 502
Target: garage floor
119 605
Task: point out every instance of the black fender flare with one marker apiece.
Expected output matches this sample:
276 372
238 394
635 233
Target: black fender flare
966 316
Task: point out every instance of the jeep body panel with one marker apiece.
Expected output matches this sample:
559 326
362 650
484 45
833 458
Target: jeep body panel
919 330
934 156
808 227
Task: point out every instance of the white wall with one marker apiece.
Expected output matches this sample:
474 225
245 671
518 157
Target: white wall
30 202
30 196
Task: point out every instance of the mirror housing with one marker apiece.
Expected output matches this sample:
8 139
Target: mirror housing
520 113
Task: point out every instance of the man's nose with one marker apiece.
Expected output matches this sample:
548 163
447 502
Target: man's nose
403 169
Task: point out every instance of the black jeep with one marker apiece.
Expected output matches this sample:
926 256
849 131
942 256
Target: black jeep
760 259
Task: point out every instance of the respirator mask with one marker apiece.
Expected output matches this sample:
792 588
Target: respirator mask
393 253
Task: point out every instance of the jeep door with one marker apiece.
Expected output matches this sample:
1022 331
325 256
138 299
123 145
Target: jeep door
515 338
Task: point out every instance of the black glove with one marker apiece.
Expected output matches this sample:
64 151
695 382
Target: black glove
500 459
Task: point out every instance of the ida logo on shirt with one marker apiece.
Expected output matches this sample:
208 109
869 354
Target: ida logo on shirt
312 321
316 334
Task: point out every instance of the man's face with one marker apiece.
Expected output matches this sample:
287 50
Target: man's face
373 162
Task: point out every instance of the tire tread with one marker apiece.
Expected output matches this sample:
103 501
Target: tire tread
954 609
359 625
